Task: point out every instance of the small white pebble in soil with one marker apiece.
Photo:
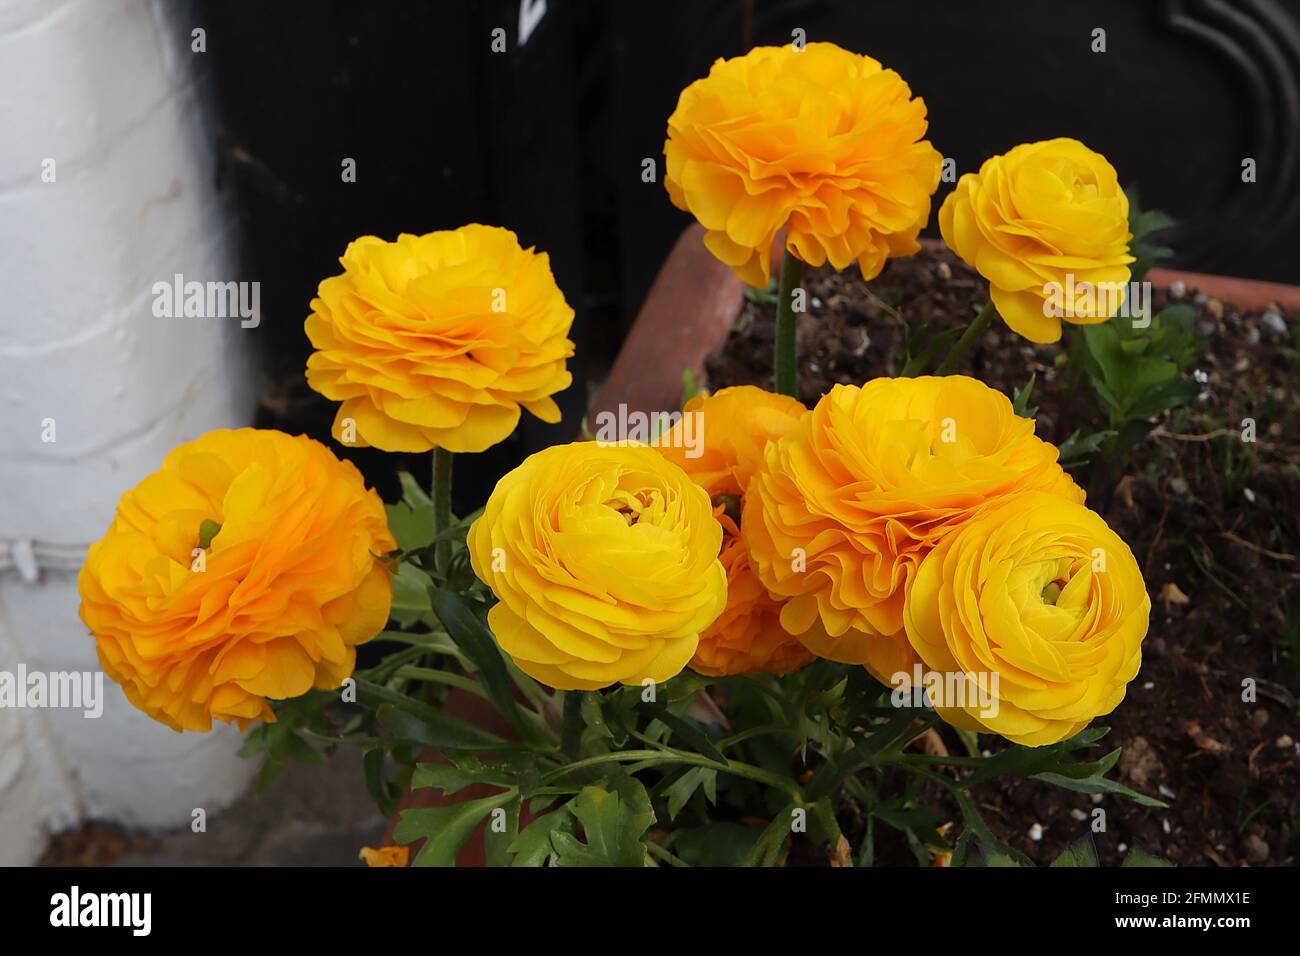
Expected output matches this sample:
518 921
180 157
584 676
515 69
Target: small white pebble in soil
943 271
1164 825
1178 485
1274 322
816 302
1197 374
1177 289
1166 792
1036 832
1284 741
1123 848
1250 495
1097 798
1149 685
1078 815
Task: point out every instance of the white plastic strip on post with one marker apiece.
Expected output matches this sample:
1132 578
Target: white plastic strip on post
106 187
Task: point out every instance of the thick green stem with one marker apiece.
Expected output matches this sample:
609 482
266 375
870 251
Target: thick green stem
973 332
786 359
441 495
571 729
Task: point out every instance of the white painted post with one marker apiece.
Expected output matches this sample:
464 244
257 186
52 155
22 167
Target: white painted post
106 187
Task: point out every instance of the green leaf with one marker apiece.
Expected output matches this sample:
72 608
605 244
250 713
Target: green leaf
445 829
1082 852
421 724
613 822
1020 761
766 850
473 637
988 841
1100 785
1020 400
497 842
717 844
594 717
445 777
377 783
410 594
411 519
683 730
680 791
921 822
1082 444
532 847
1140 857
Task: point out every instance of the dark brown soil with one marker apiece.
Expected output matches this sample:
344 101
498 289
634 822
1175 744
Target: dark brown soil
1215 523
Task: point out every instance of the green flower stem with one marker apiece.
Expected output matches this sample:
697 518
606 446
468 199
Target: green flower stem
571 729
757 774
441 495
973 332
786 357
824 814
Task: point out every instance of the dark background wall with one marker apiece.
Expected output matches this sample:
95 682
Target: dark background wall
548 138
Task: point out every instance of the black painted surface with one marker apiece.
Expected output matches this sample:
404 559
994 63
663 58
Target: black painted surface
549 138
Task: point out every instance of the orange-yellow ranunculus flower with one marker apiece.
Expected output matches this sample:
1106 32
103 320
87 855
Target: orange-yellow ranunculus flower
850 501
385 855
721 446
820 140
604 560
437 341
1047 225
1041 607
246 569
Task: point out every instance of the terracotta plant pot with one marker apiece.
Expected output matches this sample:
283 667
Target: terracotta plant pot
696 299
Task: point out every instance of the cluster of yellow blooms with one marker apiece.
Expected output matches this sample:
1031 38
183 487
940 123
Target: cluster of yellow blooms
908 523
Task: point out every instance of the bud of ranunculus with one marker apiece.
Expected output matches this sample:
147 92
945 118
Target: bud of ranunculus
1042 609
1047 225
850 501
437 341
604 561
735 426
821 141
245 569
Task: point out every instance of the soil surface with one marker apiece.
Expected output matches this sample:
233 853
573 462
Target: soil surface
1214 522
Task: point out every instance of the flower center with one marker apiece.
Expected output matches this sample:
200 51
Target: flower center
208 530
1052 590
633 505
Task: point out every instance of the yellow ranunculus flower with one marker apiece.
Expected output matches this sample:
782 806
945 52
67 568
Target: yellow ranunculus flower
245 569
720 447
821 140
1047 225
385 856
436 341
850 501
604 560
1042 608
